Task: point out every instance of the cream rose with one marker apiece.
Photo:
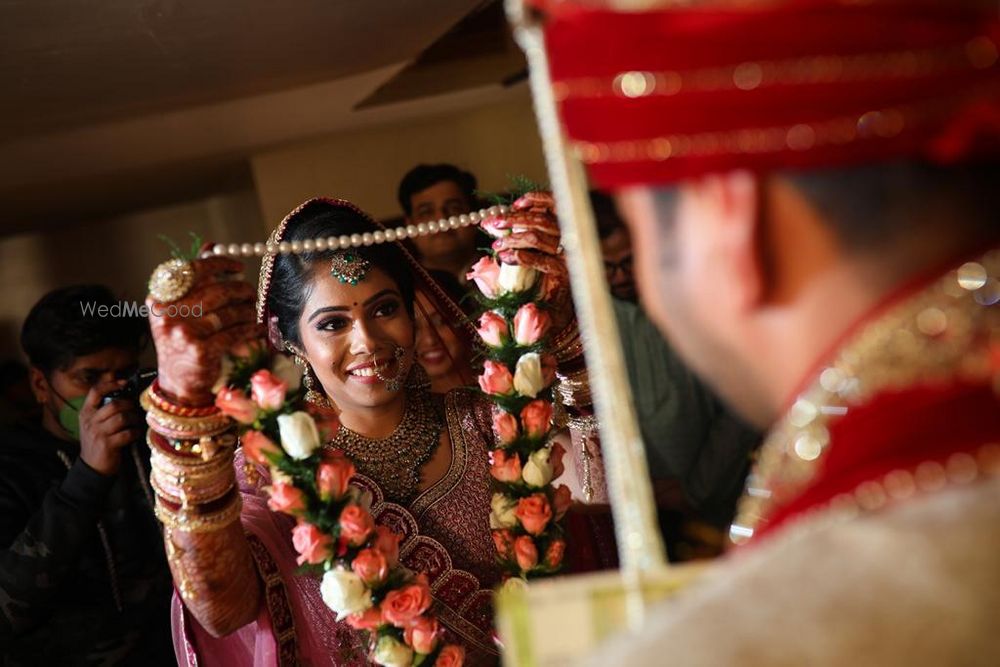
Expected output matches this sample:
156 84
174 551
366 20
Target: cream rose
528 376
516 278
392 653
345 593
502 511
299 436
538 470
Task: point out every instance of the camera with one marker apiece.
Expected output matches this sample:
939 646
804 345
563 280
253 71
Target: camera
134 385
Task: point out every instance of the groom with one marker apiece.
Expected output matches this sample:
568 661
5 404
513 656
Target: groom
811 188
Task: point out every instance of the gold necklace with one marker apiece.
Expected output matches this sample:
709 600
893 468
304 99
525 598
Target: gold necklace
394 462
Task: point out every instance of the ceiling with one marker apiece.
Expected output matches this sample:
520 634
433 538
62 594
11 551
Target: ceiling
123 103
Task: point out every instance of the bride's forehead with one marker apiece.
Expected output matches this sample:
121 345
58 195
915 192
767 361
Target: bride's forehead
331 290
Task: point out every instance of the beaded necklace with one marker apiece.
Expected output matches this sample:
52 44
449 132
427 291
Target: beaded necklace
394 462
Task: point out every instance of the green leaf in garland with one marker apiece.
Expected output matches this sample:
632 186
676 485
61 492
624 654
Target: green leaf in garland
185 255
520 185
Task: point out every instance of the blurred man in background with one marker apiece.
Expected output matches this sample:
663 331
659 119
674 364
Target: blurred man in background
431 192
616 246
83 578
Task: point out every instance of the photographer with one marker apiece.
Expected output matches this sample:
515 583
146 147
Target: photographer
83 577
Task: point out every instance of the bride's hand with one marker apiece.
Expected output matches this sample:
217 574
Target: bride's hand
193 333
533 241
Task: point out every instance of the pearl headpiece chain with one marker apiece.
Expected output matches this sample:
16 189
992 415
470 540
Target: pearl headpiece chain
357 240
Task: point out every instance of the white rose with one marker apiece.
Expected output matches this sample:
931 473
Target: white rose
299 436
538 470
502 511
392 653
516 278
528 379
514 585
287 371
345 593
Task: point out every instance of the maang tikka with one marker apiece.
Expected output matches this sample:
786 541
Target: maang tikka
349 267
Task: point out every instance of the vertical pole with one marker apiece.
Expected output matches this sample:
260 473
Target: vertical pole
640 546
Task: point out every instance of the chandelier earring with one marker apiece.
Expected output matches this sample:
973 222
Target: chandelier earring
314 394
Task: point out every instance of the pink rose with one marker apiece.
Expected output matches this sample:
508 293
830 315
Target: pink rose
403 605
536 417
387 542
286 498
496 379
450 656
356 524
504 542
371 566
312 544
554 554
534 513
257 447
530 324
526 553
333 476
234 403
493 329
369 619
422 634
485 273
505 426
505 467
267 390
562 498
556 460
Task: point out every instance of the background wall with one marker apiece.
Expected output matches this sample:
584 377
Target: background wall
494 138
494 142
119 252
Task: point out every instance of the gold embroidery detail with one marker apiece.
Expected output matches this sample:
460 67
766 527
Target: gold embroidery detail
978 53
939 334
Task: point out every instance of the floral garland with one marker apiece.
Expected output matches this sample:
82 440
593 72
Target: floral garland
335 535
525 506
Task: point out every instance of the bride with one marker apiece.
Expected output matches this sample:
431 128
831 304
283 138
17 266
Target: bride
348 318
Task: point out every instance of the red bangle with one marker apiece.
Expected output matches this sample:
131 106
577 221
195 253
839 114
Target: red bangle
156 398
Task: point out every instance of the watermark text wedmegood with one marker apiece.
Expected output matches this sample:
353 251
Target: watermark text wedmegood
135 309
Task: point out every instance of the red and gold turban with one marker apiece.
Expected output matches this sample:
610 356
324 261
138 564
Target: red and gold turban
688 88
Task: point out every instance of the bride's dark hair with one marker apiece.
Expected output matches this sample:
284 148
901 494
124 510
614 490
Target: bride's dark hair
292 275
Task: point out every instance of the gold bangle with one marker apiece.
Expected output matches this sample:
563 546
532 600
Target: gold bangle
178 491
200 469
191 521
574 389
206 447
186 427
568 344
